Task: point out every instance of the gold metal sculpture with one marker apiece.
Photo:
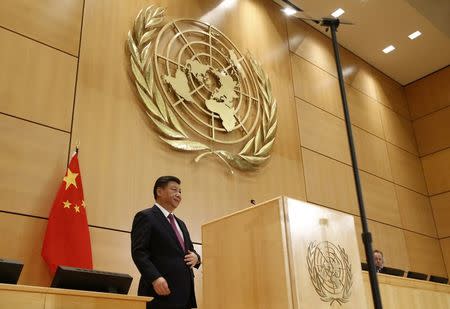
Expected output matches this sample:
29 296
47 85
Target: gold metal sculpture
330 272
190 71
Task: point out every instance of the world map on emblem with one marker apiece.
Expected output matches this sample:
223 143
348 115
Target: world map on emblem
207 81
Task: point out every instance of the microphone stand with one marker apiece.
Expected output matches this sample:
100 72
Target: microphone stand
333 24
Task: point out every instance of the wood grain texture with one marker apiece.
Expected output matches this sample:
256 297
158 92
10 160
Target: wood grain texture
415 211
441 210
436 168
433 131
55 23
364 112
380 199
329 182
445 246
23 296
242 268
371 153
425 254
404 293
406 169
32 163
322 132
429 94
315 86
398 130
40 81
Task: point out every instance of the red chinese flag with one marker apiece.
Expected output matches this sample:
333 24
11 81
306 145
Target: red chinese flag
67 241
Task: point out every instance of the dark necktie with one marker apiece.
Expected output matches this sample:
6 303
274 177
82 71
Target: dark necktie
174 227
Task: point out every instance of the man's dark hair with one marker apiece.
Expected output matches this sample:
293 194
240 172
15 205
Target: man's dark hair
162 182
378 251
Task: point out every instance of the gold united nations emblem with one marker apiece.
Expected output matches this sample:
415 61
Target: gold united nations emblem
200 91
330 272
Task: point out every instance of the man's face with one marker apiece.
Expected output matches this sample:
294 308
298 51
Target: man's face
170 196
378 258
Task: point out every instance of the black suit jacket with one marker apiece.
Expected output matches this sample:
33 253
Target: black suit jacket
157 253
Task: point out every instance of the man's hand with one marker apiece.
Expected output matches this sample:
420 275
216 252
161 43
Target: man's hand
191 259
161 287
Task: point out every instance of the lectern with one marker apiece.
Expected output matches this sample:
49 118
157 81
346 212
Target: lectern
283 254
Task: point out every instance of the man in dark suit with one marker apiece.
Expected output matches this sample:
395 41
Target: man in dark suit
163 251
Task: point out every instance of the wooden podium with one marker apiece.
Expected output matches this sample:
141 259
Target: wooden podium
282 254
34 297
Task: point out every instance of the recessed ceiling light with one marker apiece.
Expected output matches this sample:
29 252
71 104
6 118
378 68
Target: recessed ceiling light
388 49
414 35
289 11
337 13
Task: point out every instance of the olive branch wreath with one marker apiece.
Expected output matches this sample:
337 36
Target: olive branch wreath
254 153
317 282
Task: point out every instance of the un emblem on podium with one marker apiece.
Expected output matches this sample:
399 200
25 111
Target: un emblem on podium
330 272
201 93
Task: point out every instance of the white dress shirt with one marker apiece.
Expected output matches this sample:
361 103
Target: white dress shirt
166 214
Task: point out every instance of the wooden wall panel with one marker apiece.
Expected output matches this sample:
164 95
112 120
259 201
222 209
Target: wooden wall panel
322 132
445 245
433 131
32 163
40 81
406 169
425 254
315 86
111 251
311 45
429 94
371 154
380 200
329 182
415 211
358 74
391 94
53 22
364 112
404 293
21 240
441 210
436 168
398 130
108 115
390 240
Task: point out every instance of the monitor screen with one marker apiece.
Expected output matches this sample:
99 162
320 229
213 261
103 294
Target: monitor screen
392 271
91 280
10 271
364 266
416 275
439 279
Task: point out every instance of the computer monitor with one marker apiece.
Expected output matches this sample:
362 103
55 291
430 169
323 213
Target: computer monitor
439 279
91 280
392 271
10 271
416 275
364 266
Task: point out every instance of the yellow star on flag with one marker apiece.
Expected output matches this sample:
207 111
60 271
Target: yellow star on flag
67 204
77 208
70 178
83 204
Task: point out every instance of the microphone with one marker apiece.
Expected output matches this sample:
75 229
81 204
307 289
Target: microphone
253 202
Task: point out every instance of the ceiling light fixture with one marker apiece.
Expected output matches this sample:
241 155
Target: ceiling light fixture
289 11
337 13
414 35
288 7
388 49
